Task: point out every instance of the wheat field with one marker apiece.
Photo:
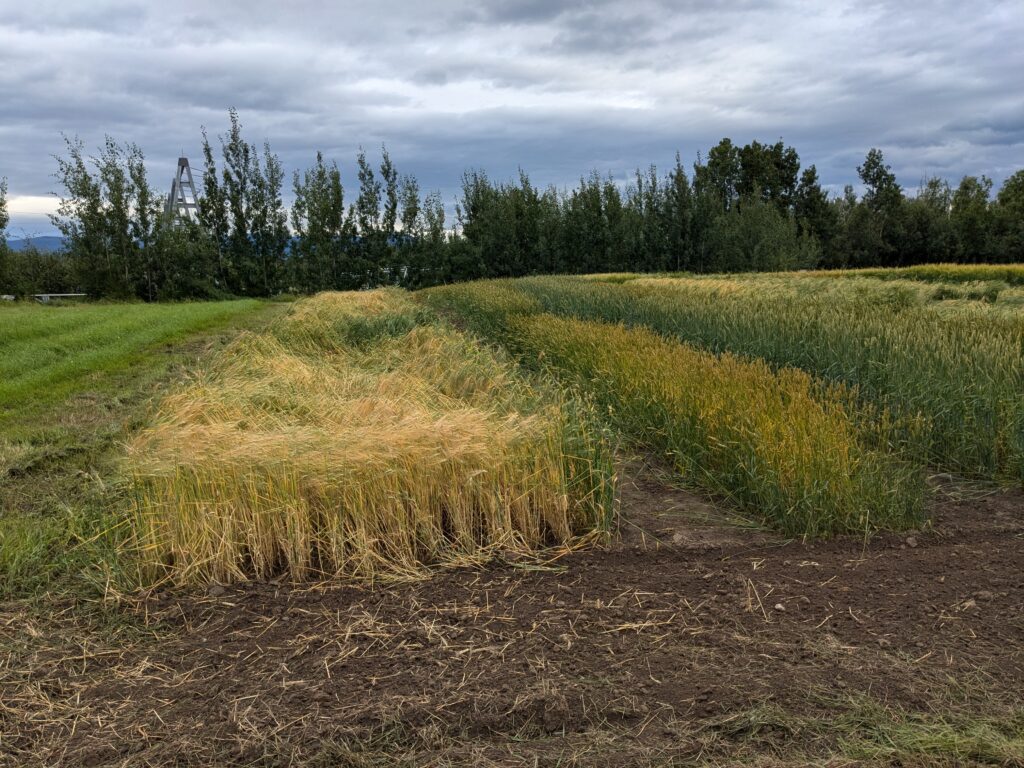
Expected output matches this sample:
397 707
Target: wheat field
357 437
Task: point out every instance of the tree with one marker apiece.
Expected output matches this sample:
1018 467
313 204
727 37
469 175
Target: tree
391 262
1009 219
882 204
237 182
678 214
409 244
145 226
389 176
770 171
80 219
883 195
720 176
212 209
815 215
269 234
184 258
244 213
108 218
366 214
322 231
431 247
648 236
972 219
368 202
756 237
4 221
927 231
30 271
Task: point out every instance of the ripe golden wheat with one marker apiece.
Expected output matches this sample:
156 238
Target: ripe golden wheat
355 437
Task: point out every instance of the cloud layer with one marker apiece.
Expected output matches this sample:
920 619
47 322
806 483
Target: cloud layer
558 88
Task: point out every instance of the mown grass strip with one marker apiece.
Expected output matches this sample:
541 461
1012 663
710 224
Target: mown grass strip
359 436
49 352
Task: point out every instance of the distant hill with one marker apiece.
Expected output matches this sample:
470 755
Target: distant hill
47 243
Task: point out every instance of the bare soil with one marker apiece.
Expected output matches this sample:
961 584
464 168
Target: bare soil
687 639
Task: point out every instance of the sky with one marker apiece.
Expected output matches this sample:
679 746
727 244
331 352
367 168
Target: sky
558 88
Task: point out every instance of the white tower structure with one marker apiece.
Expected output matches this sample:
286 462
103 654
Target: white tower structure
182 201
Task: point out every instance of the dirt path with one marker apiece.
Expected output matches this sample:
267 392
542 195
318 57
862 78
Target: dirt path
685 641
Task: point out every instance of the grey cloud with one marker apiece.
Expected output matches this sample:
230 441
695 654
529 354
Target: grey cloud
558 88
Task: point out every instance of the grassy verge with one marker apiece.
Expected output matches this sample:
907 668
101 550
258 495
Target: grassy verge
949 368
76 381
48 353
780 447
357 436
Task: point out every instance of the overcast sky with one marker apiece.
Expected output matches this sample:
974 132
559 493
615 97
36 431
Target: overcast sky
556 87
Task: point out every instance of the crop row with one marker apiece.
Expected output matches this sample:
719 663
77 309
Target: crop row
779 446
950 373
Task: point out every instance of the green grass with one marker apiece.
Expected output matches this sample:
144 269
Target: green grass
48 353
74 382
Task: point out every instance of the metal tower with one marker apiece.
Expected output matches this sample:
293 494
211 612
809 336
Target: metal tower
181 202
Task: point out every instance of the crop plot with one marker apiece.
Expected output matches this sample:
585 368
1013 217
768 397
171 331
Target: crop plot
605 520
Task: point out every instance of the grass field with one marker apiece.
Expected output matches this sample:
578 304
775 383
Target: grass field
48 353
1007 274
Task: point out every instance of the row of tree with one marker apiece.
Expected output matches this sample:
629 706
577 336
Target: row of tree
748 207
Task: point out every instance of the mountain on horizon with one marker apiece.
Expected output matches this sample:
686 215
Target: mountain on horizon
44 243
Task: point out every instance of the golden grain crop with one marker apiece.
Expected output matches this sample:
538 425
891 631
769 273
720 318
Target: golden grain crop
355 437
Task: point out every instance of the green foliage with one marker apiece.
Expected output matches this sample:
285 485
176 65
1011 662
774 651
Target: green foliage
813 212
4 220
1009 220
23 273
107 217
318 259
244 214
928 230
769 172
754 236
748 208
971 218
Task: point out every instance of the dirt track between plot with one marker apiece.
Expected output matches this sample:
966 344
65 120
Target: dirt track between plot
676 642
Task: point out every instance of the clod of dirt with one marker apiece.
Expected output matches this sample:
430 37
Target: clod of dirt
216 590
983 594
911 542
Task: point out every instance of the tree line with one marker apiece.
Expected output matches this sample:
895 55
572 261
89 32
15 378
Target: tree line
741 208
